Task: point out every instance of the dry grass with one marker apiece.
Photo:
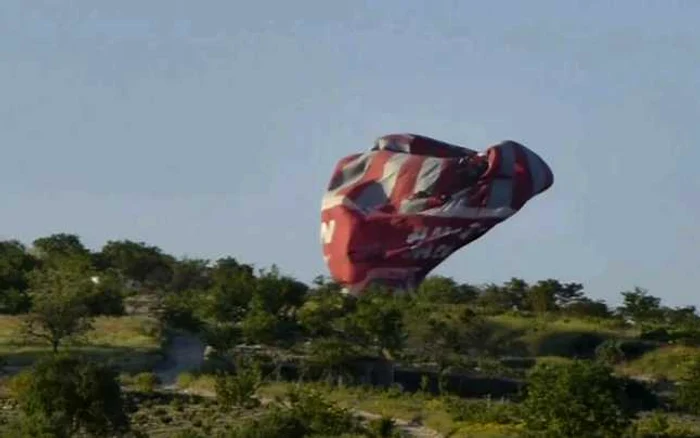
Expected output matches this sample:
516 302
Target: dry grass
565 324
429 411
133 341
668 362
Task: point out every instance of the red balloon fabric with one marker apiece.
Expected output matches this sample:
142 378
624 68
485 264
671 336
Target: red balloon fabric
390 215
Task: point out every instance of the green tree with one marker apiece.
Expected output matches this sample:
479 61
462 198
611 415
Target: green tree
279 294
550 295
437 336
641 307
580 399
232 290
138 261
610 352
107 294
260 326
63 396
239 389
685 318
333 355
441 289
586 307
517 289
59 305
15 265
485 339
60 245
378 323
222 336
274 303
321 312
190 275
567 293
303 414
541 297
499 299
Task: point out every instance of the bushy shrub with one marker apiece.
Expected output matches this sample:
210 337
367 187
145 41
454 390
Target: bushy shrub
145 382
189 433
63 395
276 422
658 425
307 414
482 411
321 416
610 352
239 389
384 427
185 380
579 399
688 395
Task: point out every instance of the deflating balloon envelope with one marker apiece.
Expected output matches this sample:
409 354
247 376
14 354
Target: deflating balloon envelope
391 214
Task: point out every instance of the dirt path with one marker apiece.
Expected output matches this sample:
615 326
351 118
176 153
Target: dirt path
186 353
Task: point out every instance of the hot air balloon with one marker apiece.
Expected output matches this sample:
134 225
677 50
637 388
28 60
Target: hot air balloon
392 213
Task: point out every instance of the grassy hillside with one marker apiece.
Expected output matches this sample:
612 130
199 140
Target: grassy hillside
667 362
133 342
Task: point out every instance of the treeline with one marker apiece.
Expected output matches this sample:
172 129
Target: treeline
231 303
123 268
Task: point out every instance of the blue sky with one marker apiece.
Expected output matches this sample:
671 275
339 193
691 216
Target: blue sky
211 128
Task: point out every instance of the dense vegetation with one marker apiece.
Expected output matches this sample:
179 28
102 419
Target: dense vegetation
291 359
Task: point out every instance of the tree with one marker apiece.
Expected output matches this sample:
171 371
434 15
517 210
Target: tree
640 307
567 293
321 312
15 265
226 266
437 336
222 336
185 310
63 395
580 399
59 305
231 293
138 261
107 294
239 389
550 295
483 338
190 274
517 289
498 299
60 245
682 317
377 322
586 307
333 355
279 294
541 297
440 289
260 326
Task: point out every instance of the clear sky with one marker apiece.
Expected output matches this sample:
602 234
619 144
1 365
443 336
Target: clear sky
210 128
